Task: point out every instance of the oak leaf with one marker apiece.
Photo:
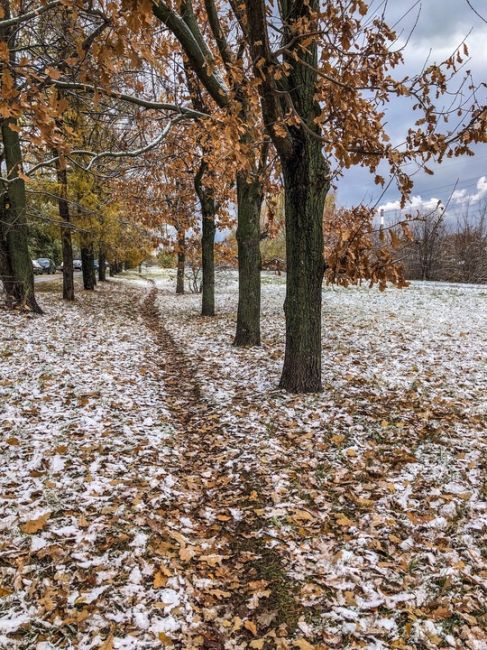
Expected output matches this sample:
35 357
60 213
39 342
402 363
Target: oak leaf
251 627
35 525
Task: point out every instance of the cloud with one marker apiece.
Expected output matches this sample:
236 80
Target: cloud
462 197
421 204
441 27
417 203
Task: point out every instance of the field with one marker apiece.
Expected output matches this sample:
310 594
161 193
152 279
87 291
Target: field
158 490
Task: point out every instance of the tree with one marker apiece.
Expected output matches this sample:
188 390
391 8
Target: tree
357 250
15 262
467 245
321 88
427 245
211 57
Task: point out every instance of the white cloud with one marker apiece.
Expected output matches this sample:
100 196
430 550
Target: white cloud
421 204
417 203
462 197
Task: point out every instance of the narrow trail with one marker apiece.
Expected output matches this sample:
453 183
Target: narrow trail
243 589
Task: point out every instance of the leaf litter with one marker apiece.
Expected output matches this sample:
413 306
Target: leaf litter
159 491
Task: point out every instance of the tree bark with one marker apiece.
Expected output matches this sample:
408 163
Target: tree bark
67 245
186 30
305 194
6 273
88 267
102 263
249 202
306 178
16 263
15 229
208 264
181 246
208 228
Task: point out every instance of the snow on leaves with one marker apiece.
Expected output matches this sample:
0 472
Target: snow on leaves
157 490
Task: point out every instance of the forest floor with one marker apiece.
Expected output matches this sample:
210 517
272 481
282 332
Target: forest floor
157 490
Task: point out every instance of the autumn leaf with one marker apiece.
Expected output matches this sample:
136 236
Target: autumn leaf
53 73
160 580
108 643
186 553
302 644
251 627
165 639
212 559
303 515
35 525
344 521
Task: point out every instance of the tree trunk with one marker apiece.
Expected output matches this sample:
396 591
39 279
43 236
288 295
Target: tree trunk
67 245
306 177
93 270
87 261
305 193
249 200
102 263
208 228
181 246
20 286
208 265
6 273
17 263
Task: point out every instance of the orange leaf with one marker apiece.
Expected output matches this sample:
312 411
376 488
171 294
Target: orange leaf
34 525
251 627
160 580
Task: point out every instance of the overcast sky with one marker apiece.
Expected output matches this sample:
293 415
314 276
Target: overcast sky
441 27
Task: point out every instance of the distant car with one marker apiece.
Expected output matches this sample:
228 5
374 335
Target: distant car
77 265
47 265
37 268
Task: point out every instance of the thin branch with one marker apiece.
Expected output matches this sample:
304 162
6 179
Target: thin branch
476 12
22 18
136 152
138 101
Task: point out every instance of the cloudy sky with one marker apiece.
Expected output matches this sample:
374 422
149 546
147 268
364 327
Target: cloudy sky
442 25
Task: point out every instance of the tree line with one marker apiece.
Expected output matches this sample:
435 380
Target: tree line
448 249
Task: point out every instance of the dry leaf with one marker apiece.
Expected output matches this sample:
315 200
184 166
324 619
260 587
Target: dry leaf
160 580
35 525
251 627
302 644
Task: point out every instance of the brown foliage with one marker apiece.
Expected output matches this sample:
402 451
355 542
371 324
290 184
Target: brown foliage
356 250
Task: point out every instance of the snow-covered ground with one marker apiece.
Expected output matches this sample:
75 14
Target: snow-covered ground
116 527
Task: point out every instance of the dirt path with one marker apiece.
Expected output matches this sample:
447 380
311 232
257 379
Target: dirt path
243 589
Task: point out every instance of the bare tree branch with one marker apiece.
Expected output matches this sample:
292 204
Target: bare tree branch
22 18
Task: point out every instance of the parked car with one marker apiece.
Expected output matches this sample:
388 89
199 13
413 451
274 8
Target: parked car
77 266
37 268
47 265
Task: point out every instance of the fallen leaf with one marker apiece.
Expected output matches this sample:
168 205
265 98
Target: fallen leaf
34 525
302 644
251 627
